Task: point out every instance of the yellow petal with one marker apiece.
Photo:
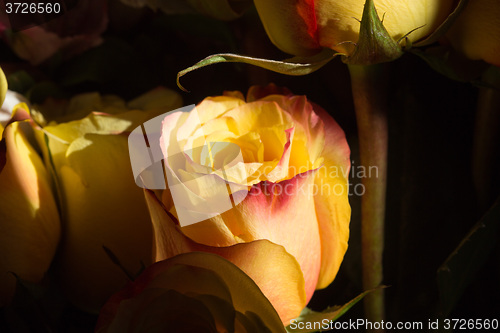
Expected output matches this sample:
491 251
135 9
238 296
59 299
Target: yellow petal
476 32
29 220
273 269
3 86
103 207
291 26
331 201
204 277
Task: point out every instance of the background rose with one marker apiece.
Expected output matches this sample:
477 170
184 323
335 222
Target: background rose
100 202
79 29
303 27
476 32
279 135
191 292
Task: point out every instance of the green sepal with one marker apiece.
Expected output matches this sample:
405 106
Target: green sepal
293 66
309 317
374 45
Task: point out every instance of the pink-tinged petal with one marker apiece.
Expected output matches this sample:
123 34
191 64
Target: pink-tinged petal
29 219
292 27
35 44
306 120
268 210
74 32
331 201
272 268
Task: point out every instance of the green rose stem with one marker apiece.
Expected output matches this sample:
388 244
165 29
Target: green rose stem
374 47
369 94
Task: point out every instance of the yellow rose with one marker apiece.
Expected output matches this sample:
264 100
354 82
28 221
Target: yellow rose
476 32
303 27
289 188
194 292
100 203
29 219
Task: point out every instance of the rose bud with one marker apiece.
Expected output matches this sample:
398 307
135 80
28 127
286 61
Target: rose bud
304 27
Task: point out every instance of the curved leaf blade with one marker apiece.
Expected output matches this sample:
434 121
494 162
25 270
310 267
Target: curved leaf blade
294 66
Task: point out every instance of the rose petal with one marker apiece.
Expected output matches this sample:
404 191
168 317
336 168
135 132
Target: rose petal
103 207
268 209
29 220
3 87
331 201
273 269
290 26
477 31
205 277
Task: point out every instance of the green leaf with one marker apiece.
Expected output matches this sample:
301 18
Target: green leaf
293 66
312 320
443 28
450 63
460 267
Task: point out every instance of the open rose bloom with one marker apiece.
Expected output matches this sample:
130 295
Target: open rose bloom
260 181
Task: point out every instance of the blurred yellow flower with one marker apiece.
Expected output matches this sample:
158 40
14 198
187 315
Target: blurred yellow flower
100 202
